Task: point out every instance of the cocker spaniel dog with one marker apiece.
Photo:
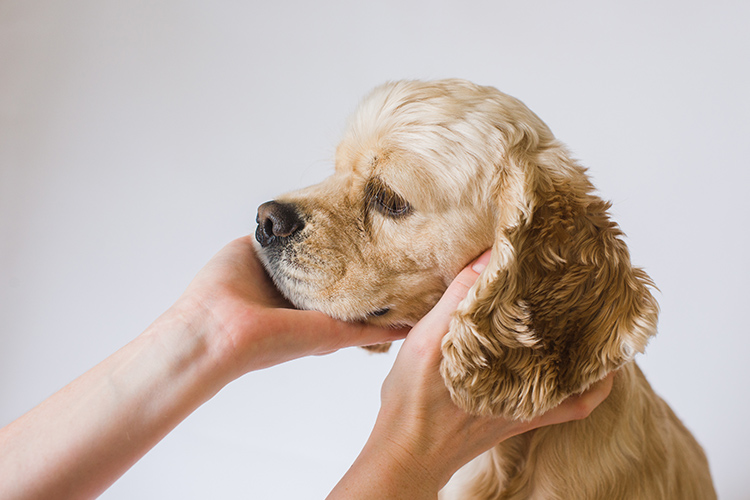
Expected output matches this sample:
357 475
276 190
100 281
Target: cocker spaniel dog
428 175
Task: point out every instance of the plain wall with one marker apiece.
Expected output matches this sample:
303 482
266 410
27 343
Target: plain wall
137 138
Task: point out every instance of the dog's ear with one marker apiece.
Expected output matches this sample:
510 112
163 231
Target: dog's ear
558 306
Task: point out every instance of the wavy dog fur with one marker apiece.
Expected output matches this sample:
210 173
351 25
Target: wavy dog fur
428 175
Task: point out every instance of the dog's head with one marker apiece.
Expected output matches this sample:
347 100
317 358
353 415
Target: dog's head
406 208
428 175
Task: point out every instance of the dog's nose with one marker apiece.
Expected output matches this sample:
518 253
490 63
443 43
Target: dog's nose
276 220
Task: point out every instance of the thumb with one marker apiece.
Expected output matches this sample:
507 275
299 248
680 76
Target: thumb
438 319
317 333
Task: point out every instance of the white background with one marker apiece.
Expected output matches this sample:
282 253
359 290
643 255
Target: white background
138 137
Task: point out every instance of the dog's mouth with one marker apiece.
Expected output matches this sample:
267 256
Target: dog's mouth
380 312
298 289
301 284
290 279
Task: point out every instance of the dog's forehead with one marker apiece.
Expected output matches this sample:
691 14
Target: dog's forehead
426 181
434 143
431 173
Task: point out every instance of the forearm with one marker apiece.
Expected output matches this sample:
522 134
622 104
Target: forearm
387 469
80 440
376 477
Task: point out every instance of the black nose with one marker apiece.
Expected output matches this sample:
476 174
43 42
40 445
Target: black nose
276 221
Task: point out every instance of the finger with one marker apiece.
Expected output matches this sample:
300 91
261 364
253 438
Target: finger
321 334
577 406
581 405
360 334
438 319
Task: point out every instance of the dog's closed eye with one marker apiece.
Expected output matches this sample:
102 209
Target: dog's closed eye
383 199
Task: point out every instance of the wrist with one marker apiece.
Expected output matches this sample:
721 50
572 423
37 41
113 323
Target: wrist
388 468
405 464
185 335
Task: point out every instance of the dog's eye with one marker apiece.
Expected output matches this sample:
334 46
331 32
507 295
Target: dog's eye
392 204
386 201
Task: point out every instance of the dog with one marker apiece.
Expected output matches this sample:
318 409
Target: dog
427 176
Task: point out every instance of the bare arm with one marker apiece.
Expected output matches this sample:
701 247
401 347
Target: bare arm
421 438
80 440
230 321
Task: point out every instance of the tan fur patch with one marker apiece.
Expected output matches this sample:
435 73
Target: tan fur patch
430 174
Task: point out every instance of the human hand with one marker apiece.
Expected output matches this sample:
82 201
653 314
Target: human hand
229 321
251 326
421 437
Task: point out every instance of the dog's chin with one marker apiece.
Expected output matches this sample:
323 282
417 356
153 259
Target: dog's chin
302 295
346 310
303 292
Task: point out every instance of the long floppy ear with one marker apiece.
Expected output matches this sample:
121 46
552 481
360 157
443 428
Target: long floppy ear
559 305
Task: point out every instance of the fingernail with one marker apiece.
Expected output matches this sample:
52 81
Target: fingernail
479 264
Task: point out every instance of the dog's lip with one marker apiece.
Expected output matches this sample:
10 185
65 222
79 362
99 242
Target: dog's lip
380 312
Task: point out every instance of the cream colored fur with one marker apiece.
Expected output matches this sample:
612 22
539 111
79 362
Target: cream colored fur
428 175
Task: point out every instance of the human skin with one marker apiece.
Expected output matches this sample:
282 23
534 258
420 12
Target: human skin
230 321
420 438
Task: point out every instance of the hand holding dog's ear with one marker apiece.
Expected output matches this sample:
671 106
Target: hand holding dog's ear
421 437
559 306
254 325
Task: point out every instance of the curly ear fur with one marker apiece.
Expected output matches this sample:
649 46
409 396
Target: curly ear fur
559 305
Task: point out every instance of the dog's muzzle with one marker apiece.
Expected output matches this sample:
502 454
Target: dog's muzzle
277 222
